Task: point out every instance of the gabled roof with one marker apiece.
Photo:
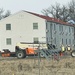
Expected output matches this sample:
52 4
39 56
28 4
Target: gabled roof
51 19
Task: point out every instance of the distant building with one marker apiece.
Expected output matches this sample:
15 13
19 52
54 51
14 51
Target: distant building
26 26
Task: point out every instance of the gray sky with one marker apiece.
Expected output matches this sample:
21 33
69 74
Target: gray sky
29 5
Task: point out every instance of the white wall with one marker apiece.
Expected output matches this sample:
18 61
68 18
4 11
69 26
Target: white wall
21 29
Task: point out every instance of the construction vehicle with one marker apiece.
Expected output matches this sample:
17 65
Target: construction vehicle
23 49
73 53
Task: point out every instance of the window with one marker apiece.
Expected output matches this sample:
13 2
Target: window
60 28
73 41
66 41
69 41
8 41
36 40
69 29
72 30
8 26
47 39
55 40
62 41
35 25
54 27
46 26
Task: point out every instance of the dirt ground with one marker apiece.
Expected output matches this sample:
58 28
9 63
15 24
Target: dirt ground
65 66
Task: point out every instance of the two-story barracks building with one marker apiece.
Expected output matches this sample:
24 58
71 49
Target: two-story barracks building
26 26
60 33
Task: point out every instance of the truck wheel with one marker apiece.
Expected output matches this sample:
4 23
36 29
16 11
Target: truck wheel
73 54
41 55
21 54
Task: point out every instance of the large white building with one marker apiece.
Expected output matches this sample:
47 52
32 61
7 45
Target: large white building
31 27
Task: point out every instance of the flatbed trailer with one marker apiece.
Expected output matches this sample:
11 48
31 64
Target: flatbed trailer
8 54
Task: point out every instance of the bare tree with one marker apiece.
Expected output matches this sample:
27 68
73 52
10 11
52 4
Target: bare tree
3 14
45 12
57 12
64 12
7 14
71 6
53 11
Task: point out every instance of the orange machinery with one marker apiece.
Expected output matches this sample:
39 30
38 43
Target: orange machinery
24 49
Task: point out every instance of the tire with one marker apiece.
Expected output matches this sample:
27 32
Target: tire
41 55
21 54
73 54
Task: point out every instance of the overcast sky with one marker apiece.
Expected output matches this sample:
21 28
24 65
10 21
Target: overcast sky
29 5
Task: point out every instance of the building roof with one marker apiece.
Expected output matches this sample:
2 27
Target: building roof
51 19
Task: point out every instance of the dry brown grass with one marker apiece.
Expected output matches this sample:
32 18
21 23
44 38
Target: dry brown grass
65 66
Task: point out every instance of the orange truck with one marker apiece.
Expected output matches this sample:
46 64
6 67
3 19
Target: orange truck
26 49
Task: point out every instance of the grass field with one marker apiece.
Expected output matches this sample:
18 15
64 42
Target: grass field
65 66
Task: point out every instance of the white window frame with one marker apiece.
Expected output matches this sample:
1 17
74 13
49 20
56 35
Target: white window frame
36 40
35 26
8 41
8 26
